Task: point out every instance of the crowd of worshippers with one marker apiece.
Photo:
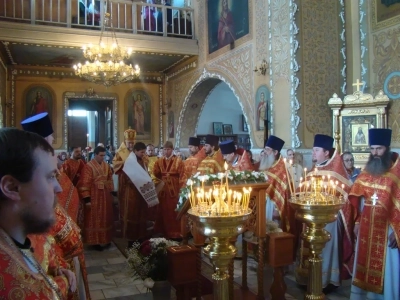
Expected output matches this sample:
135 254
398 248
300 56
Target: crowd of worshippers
47 214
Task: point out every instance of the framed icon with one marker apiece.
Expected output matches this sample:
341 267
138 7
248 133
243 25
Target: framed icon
217 128
227 129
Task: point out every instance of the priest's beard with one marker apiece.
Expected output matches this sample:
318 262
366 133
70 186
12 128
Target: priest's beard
36 225
378 165
266 161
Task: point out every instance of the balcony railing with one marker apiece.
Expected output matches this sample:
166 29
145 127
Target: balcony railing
127 16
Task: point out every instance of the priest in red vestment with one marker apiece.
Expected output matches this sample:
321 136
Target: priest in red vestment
138 194
375 197
95 187
73 167
28 188
170 169
68 243
338 253
278 191
214 162
237 159
195 158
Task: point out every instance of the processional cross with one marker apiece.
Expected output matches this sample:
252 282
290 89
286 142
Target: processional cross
374 198
358 84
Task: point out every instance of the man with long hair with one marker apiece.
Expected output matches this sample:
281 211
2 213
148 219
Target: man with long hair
375 198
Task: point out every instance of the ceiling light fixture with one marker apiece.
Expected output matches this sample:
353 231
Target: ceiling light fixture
105 62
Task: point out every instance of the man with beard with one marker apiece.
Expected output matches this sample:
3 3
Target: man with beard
139 195
190 168
66 233
195 158
124 150
237 159
28 188
278 191
95 187
214 162
338 252
73 167
375 197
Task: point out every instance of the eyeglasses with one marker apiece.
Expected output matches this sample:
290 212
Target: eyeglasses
349 160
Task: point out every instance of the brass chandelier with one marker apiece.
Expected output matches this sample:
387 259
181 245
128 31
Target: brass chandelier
105 62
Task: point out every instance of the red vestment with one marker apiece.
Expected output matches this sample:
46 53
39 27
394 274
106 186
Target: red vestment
133 208
18 281
69 243
226 31
73 168
374 221
212 164
170 171
243 162
69 198
278 191
191 164
337 172
96 183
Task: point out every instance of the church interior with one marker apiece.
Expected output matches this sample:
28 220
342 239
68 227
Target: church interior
292 69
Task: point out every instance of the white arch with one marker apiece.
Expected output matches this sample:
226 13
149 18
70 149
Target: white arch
204 76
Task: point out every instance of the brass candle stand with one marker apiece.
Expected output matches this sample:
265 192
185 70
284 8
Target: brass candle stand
316 205
220 228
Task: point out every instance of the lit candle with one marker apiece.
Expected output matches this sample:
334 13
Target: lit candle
202 183
87 139
226 174
229 199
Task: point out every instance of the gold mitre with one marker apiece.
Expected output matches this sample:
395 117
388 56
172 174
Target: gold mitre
129 135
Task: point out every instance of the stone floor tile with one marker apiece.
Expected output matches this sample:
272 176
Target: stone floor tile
101 284
96 262
120 291
117 260
95 277
97 295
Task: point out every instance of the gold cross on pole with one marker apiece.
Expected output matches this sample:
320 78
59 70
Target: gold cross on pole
358 84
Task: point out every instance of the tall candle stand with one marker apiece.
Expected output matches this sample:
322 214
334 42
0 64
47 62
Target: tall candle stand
220 214
316 205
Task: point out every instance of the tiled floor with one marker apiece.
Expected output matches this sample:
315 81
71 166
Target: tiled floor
109 279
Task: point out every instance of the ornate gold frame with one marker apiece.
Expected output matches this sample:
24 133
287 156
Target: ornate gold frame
382 24
357 110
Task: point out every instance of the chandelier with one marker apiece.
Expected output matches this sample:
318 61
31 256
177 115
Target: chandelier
105 62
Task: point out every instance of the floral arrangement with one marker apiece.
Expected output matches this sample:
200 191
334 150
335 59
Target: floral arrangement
234 177
148 260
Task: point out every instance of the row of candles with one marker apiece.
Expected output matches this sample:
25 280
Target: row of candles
317 189
226 201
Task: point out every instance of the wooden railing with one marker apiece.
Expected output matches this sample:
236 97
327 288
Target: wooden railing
126 16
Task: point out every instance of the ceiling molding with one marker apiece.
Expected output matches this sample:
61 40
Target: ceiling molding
71 37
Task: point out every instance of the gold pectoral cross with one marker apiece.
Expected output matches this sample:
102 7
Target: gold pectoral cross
374 198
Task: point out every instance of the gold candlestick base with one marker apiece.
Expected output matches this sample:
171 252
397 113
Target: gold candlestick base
316 216
220 230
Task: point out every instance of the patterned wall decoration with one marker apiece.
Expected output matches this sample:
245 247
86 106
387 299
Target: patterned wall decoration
386 74
320 42
237 66
261 33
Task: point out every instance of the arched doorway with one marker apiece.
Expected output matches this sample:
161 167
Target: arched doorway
194 103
